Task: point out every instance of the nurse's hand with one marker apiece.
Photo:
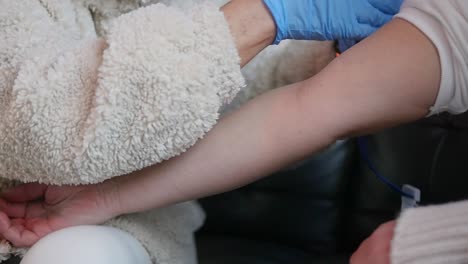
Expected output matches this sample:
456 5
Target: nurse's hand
30 211
330 20
376 248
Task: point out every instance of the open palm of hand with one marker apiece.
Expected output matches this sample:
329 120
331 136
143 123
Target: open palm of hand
30 211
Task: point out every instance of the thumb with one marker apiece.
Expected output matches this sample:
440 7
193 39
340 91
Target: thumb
344 44
390 7
362 32
375 18
24 192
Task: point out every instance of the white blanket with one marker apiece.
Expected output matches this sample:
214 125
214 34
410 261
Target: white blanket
77 107
91 90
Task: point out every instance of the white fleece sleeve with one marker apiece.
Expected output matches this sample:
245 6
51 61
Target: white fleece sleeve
432 235
79 109
445 23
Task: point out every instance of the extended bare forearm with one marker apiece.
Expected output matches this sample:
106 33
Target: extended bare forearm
390 78
259 138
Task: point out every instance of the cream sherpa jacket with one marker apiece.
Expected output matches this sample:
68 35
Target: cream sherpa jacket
92 89
79 107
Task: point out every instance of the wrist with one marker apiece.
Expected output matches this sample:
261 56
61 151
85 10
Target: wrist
111 192
136 192
252 26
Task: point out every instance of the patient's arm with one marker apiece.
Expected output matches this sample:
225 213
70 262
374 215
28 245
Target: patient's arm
391 78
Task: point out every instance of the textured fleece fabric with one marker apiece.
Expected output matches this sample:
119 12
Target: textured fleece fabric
94 89
81 108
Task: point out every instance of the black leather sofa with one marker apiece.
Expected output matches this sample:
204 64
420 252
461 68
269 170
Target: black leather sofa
320 210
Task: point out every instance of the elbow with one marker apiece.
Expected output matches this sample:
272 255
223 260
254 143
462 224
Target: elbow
319 115
320 109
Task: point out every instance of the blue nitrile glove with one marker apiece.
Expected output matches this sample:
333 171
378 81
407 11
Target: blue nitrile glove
344 44
390 7
330 19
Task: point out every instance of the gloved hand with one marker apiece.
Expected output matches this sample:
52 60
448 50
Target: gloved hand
350 20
